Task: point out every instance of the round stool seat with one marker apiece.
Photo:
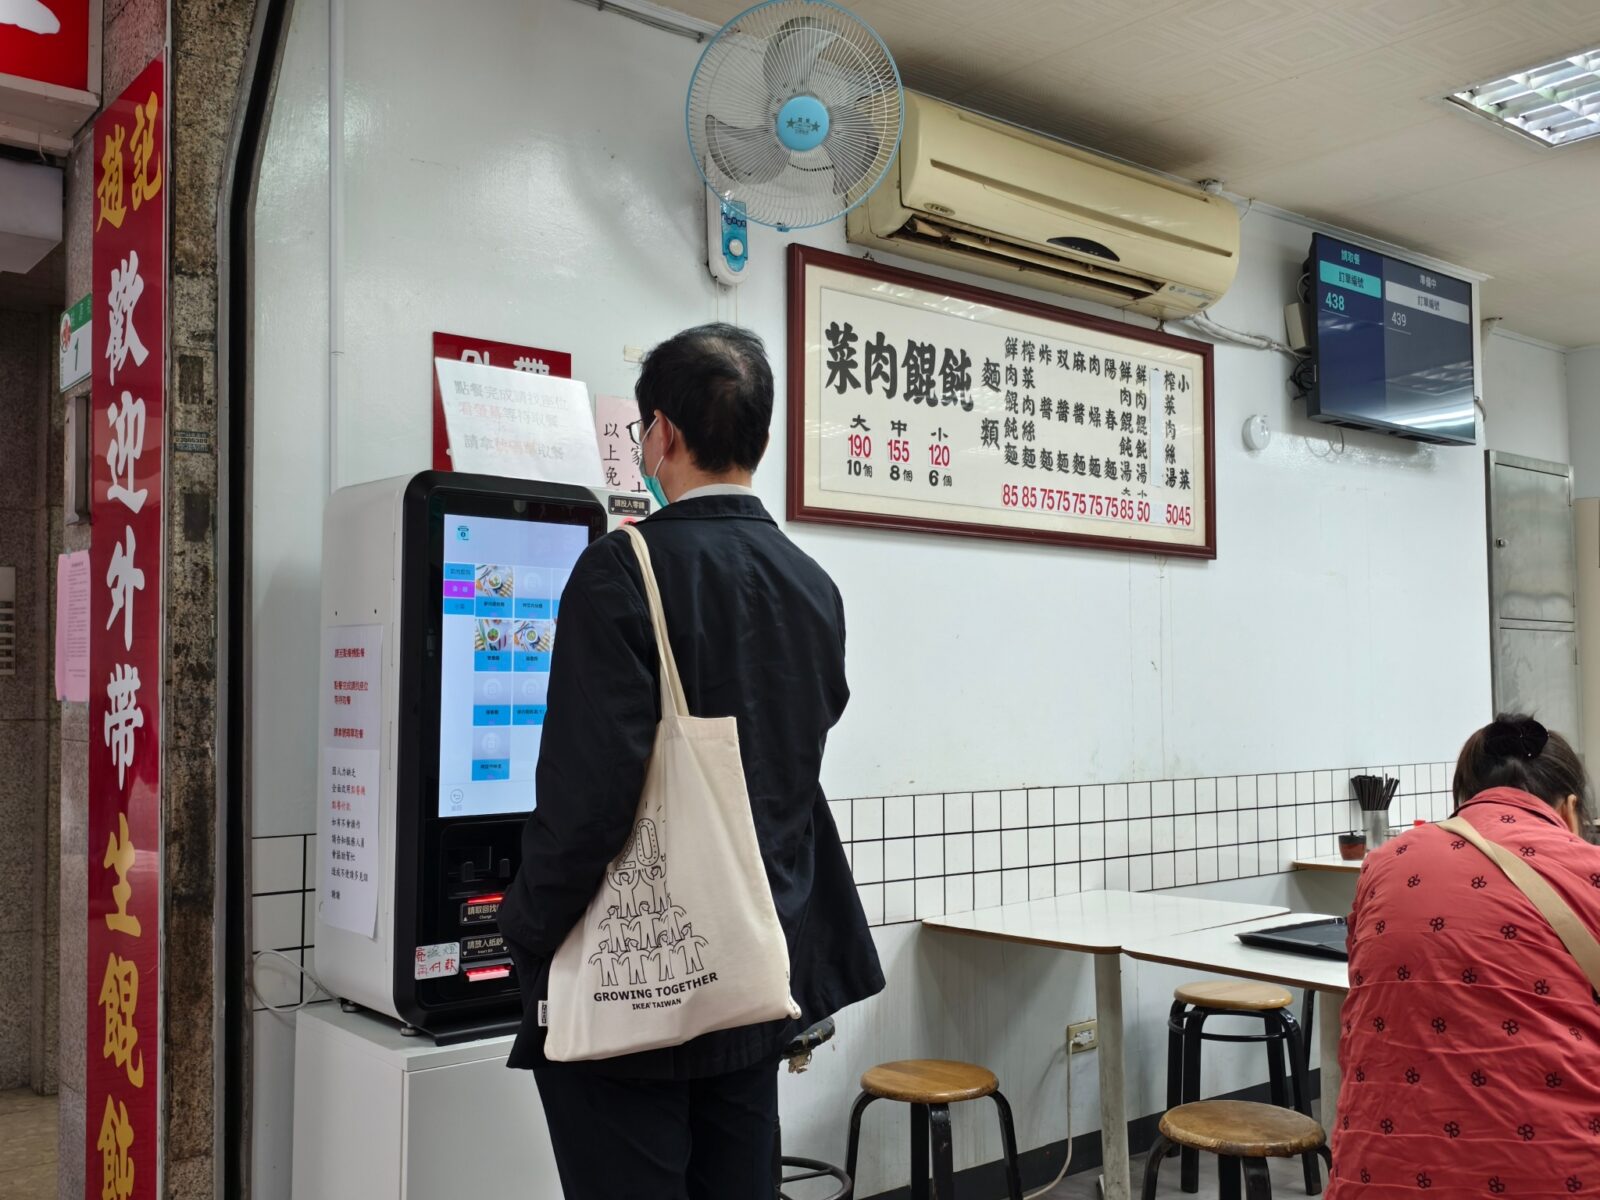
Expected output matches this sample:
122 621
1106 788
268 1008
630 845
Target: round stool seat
1237 994
1242 1129
929 1081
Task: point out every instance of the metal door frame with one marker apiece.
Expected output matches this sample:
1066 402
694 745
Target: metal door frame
1499 458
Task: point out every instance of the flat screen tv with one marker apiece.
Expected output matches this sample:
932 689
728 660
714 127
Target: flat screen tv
1391 345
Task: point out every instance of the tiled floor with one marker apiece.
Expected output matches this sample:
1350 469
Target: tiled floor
27 1146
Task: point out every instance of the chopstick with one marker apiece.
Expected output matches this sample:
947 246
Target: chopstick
1374 792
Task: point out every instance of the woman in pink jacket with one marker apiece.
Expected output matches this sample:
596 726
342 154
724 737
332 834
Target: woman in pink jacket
1471 1044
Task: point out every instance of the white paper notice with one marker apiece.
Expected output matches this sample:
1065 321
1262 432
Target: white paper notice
619 453
352 663
348 888
515 423
432 962
72 626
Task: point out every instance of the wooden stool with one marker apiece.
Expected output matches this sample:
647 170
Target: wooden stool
931 1086
1243 1136
1195 1003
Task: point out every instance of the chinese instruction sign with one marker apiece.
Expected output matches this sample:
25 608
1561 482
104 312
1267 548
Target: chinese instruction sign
616 421
919 404
519 424
348 890
128 423
352 744
73 588
489 354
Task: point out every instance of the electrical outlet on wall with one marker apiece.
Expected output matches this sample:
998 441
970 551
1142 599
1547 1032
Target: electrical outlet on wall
1084 1035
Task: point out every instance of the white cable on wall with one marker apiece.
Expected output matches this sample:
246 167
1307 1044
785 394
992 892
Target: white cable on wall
318 991
1066 1164
335 229
1222 333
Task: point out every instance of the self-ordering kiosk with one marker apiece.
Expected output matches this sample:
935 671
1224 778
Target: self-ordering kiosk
441 597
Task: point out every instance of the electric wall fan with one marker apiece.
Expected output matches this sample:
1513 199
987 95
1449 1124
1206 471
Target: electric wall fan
794 116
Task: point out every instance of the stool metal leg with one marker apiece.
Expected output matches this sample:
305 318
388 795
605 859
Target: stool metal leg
1227 1177
1175 1054
1308 1017
1275 1076
1302 1093
1257 1182
1175 1059
919 1152
854 1144
944 1180
1008 1143
1159 1149
1193 1025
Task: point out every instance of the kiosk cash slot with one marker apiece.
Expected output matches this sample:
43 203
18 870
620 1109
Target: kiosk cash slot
453 582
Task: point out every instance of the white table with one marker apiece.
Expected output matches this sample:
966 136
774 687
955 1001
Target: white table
1101 923
1220 952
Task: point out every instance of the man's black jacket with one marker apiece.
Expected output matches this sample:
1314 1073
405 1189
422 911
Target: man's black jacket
758 631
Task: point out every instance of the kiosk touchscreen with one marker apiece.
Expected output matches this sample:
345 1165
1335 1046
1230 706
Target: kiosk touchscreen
454 582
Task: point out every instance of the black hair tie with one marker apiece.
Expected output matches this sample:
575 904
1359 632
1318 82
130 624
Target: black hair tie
1517 739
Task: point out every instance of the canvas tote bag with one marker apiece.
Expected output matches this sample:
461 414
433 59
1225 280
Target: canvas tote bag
682 937
1569 927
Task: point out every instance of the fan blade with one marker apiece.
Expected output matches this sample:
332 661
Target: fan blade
852 146
792 53
745 155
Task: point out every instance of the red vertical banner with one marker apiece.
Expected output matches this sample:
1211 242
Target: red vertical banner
490 354
129 321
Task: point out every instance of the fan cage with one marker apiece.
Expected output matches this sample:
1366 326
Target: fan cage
740 45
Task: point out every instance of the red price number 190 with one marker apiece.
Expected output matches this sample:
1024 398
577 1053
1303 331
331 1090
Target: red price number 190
860 446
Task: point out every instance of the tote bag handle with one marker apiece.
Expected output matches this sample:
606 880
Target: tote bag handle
672 696
1574 934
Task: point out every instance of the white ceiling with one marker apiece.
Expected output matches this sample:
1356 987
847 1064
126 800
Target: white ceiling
1329 108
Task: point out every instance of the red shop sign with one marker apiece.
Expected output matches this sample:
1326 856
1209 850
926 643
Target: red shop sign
490 354
128 488
46 41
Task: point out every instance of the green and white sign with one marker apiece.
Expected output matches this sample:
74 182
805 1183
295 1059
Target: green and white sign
76 346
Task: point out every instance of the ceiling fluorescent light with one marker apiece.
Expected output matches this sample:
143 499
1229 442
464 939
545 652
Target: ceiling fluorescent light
1556 104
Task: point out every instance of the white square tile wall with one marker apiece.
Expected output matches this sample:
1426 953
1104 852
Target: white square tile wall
283 919
923 855
919 856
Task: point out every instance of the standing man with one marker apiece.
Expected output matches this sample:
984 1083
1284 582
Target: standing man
758 632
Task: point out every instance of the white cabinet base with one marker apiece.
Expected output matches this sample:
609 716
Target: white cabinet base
386 1117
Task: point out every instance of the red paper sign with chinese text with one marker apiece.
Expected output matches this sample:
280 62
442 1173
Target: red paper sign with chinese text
46 41
129 423
490 354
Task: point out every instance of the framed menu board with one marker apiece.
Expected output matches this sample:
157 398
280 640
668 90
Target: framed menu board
917 403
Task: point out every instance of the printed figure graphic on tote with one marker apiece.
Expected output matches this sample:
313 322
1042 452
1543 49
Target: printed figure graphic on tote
690 881
642 925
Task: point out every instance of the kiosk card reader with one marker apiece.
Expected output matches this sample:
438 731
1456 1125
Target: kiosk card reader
453 582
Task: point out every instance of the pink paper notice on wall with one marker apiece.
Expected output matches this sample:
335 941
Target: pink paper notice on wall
72 627
619 454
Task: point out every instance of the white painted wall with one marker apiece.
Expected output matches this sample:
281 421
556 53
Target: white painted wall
1525 396
522 175
1583 398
